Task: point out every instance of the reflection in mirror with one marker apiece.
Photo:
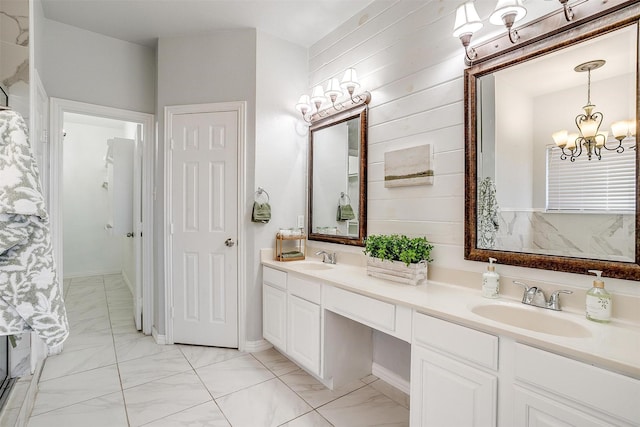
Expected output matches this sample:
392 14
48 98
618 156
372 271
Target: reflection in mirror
531 196
336 178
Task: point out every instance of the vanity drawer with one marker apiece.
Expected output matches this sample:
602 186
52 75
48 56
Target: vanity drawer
466 343
589 385
274 277
305 289
380 315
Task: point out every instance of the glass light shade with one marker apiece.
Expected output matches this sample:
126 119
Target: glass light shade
620 129
588 128
632 127
600 141
571 141
507 7
350 79
333 89
560 138
317 96
467 20
304 104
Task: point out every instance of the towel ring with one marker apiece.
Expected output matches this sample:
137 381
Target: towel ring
259 193
342 197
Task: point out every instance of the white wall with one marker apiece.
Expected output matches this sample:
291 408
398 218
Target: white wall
280 154
84 66
514 147
88 248
217 67
406 57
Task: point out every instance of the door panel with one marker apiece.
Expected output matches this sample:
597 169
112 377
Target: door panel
204 201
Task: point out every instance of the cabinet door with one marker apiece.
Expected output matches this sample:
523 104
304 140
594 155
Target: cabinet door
445 392
303 334
274 316
535 410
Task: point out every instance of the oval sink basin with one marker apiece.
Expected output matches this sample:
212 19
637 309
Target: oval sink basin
533 320
313 266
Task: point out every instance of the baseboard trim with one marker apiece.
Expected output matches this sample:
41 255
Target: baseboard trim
90 274
390 377
256 346
159 339
127 282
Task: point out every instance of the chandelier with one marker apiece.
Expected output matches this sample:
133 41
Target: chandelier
590 137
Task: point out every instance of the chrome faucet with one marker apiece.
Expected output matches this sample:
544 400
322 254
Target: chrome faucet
535 296
329 258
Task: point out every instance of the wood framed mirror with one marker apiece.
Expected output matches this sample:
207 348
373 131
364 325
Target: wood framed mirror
337 204
526 206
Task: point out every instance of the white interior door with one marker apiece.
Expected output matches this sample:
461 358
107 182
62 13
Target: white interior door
203 199
137 226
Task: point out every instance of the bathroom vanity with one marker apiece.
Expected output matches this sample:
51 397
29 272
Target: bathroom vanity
466 368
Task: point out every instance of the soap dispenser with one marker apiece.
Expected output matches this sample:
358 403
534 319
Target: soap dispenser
490 281
598 300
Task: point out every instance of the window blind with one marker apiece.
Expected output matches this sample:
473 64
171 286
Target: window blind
591 185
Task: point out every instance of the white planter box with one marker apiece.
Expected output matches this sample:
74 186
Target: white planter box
397 271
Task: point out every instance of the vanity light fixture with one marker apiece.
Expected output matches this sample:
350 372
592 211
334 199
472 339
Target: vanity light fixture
467 23
508 12
588 125
307 105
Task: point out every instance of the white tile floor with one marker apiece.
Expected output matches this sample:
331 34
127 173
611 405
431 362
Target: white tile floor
110 375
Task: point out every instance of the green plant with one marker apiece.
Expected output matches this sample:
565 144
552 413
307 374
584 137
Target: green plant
396 247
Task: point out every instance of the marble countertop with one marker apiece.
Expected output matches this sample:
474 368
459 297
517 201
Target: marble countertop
614 346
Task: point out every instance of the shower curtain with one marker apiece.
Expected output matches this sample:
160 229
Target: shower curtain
30 295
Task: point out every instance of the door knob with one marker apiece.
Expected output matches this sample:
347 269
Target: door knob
229 242
130 234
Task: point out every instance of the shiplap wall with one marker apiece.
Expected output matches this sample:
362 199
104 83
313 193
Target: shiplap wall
406 57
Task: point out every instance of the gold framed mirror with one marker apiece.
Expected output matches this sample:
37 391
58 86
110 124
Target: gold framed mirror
526 202
337 204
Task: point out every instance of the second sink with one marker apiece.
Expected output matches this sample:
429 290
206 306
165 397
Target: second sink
531 319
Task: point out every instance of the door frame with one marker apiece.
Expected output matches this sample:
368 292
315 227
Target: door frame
58 107
240 107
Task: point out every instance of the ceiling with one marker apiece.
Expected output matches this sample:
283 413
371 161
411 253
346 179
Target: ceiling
302 22
553 72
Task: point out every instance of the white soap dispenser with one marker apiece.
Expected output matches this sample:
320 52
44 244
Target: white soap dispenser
598 301
490 281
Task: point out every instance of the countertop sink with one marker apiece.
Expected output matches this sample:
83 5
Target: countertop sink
309 265
532 319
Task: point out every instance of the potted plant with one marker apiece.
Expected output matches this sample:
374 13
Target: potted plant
398 257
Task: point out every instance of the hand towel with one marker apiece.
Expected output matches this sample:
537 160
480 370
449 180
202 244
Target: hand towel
30 293
261 212
345 212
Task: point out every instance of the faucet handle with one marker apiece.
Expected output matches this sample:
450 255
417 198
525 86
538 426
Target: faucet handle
526 290
554 299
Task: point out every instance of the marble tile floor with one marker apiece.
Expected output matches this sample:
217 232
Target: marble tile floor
111 375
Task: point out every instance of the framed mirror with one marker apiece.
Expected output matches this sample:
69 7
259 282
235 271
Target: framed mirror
338 178
531 203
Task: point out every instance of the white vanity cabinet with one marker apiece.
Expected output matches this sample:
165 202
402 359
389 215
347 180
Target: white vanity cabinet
453 374
274 307
552 390
304 315
291 317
